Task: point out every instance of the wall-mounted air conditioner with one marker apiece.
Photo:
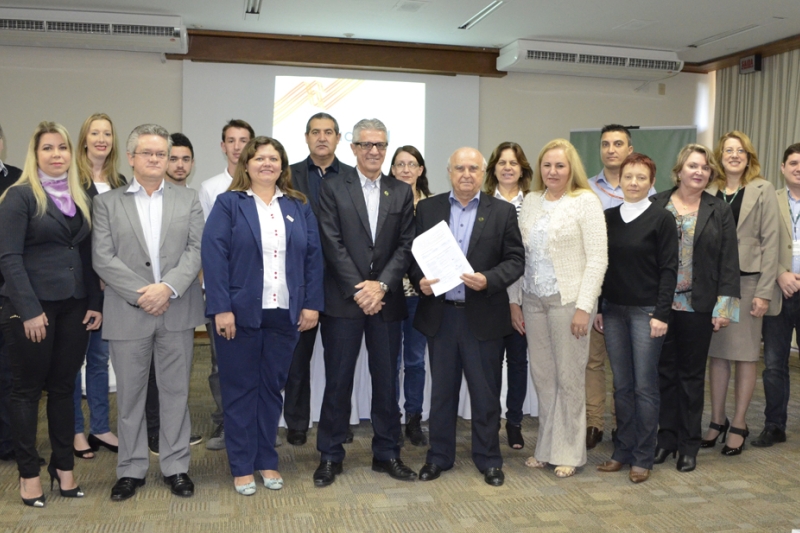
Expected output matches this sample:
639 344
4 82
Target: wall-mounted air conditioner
93 30
588 60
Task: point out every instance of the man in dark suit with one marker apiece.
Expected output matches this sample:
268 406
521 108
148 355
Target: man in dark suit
322 137
8 176
465 326
366 227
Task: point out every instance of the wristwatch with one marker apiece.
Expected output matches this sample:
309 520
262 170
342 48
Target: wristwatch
384 287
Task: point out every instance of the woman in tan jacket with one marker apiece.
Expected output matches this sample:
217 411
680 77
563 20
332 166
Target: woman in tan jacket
755 210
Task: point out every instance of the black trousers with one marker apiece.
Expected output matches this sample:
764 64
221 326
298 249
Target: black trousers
341 338
681 375
297 404
452 350
49 365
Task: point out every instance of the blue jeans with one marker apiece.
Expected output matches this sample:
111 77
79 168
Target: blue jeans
413 355
96 386
634 359
777 333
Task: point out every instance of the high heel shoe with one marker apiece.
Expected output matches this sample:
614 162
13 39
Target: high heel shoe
247 489
272 483
95 443
68 493
33 502
727 450
686 463
723 432
662 454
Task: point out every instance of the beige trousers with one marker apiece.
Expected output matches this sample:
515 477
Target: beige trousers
557 362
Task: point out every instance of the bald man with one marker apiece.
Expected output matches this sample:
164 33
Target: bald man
465 326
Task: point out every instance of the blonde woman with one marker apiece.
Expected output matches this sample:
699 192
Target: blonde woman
754 206
564 232
51 302
96 161
706 300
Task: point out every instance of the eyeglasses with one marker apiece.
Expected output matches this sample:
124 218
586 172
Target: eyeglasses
738 151
366 146
185 159
409 166
150 155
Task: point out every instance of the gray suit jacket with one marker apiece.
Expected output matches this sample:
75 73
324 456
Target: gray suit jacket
121 259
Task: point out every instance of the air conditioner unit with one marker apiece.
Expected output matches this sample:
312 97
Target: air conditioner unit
588 60
93 30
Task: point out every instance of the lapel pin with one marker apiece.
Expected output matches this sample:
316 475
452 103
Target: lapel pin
480 219
386 193
290 218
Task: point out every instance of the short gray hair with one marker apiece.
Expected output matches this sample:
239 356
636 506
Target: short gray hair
146 129
368 124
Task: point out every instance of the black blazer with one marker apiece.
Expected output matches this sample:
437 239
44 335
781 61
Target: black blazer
715 256
7 181
40 259
350 255
300 181
495 250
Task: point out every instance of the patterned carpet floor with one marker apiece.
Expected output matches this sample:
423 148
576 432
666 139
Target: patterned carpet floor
757 491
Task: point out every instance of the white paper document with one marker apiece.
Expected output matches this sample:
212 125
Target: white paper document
438 255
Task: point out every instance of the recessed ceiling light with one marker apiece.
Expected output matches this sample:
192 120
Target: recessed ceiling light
410 6
634 24
480 15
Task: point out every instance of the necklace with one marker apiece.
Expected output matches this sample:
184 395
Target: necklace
725 195
686 207
554 199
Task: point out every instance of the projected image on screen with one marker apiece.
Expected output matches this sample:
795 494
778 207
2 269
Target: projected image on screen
399 105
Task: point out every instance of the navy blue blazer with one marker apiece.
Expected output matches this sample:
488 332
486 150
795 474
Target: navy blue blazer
233 264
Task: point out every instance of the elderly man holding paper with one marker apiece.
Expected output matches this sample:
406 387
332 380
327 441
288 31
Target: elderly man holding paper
466 324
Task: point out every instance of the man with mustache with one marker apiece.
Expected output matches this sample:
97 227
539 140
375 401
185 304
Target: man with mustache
322 137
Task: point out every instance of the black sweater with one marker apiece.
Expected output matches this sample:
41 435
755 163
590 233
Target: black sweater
642 260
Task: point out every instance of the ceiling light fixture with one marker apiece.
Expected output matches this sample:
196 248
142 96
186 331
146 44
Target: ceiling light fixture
482 14
252 9
723 35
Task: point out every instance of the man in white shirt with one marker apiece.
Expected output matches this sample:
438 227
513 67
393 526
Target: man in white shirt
146 247
235 135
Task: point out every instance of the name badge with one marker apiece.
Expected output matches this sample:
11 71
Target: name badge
795 247
289 218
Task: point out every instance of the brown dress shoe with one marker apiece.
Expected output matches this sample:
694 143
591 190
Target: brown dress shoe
639 477
593 437
610 466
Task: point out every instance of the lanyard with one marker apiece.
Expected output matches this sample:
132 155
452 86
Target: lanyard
794 218
610 194
725 196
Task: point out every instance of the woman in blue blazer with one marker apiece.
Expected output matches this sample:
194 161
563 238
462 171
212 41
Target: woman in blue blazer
262 265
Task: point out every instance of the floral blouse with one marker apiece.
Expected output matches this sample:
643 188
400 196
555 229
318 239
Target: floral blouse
727 306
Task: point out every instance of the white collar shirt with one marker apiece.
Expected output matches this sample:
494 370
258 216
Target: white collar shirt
211 188
151 210
372 196
275 294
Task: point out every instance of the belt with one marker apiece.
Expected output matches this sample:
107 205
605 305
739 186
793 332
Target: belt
456 303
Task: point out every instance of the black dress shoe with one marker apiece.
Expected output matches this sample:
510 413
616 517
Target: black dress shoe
326 473
295 437
768 437
662 454
152 444
686 463
125 488
395 468
494 476
593 437
349 438
180 485
414 431
430 471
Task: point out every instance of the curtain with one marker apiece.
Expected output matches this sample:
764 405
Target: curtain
765 105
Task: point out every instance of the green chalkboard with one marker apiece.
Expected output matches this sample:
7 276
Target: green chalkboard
662 145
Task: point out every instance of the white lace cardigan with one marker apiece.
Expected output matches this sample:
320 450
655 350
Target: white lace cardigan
577 244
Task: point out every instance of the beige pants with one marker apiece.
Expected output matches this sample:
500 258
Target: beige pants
557 362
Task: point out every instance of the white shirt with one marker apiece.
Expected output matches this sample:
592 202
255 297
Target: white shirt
211 188
150 209
631 211
372 196
275 294
102 186
516 201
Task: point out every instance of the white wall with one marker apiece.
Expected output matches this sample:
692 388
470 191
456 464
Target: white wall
533 109
68 85
133 88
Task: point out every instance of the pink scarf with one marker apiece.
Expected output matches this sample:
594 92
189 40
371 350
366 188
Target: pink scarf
58 190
